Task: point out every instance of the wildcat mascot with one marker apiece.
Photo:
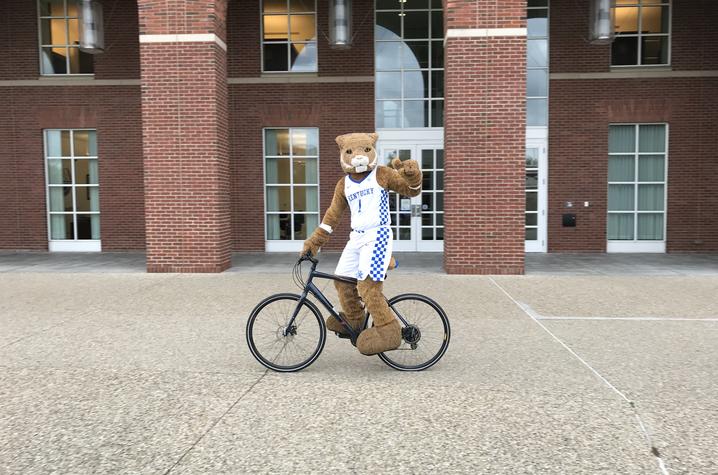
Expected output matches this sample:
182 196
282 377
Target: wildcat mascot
367 255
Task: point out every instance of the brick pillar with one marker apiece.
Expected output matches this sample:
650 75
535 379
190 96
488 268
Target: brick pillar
485 128
185 135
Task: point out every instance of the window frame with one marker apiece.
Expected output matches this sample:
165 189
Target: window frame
289 42
669 35
547 38
74 244
288 245
67 46
431 99
635 244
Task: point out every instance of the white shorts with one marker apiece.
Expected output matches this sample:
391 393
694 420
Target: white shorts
367 254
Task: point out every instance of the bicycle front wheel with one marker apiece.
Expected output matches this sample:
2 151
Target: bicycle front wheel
280 346
425 338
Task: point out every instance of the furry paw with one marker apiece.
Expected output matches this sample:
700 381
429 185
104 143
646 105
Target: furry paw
336 326
380 339
410 168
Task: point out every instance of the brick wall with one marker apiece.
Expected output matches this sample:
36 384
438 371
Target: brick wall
484 140
581 111
113 110
185 139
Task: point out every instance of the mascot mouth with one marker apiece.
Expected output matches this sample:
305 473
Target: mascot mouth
360 163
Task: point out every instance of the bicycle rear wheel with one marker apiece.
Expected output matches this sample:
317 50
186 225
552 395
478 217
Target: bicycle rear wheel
278 346
425 339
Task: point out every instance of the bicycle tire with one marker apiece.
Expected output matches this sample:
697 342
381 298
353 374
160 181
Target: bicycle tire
387 358
263 359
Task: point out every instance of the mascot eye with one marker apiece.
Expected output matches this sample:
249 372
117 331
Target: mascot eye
367 150
349 151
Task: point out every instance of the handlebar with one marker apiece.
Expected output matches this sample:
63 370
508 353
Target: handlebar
307 257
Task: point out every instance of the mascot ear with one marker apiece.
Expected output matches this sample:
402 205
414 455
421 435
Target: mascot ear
340 141
374 137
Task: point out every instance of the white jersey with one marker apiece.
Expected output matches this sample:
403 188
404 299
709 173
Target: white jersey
368 202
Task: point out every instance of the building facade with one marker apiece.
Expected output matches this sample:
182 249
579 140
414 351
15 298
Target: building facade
208 127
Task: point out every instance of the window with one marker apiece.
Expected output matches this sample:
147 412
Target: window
409 62
537 63
73 193
60 39
642 33
289 36
291 180
636 182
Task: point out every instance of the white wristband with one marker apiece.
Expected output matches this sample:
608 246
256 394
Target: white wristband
415 187
326 227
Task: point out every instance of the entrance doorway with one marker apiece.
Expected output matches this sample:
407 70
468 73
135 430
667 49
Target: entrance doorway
418 223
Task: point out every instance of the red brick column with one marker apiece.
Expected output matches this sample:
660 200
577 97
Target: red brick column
185 135
485 128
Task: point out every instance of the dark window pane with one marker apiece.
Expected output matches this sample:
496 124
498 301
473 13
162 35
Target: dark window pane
440 159
654 50
416 55
624 51
531 201
437 113
537 3
439 201
532 181
404 234
415 4
52 8
439 234
437 24
437 84
531 234
80 62
416 25
275 57
427 159
537 23
427 201
388 26
440 219
531 219
427 234
88 226
387 4
437 54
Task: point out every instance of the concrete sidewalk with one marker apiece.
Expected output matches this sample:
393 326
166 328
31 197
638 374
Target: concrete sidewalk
147 373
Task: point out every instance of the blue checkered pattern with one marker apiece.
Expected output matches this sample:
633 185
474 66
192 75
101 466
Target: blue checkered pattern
384 208
379 256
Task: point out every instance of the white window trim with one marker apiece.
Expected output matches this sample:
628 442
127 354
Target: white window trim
639 35
68 245
288 42
40 46
643 245
288 245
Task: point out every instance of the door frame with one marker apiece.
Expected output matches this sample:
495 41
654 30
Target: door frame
537 138
416 140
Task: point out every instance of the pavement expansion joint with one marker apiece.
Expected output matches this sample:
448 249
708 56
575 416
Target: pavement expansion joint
632 404
214 424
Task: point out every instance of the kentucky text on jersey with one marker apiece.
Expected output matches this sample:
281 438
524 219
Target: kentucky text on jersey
359 194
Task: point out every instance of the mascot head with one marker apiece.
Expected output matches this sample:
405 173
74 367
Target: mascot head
358 152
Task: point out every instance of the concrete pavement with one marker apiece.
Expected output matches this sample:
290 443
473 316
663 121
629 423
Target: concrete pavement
138 373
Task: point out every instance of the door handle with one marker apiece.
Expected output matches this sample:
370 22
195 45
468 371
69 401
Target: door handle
415 211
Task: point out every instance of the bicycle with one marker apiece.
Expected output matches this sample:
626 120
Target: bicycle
283 336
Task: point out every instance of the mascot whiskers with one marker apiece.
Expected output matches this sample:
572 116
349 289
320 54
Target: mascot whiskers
367 255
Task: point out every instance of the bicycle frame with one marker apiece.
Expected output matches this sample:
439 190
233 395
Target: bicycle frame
312 289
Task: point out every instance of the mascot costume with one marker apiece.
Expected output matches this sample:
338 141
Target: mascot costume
367 255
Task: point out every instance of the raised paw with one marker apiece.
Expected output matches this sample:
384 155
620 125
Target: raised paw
380 339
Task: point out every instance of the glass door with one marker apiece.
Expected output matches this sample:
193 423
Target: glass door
418 223
536 196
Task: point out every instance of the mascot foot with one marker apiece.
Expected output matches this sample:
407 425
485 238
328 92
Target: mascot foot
336 326
380 339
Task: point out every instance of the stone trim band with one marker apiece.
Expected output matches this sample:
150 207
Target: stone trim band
484 32
185 38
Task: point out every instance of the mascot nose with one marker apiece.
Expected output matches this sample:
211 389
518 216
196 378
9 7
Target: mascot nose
360 160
